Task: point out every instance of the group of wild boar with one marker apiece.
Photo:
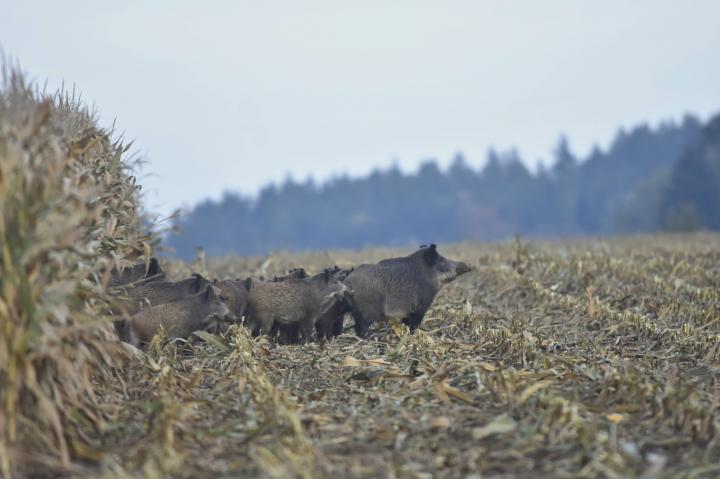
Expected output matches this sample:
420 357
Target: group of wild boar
291 309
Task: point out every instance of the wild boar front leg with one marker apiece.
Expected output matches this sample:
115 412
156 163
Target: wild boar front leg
413 321
288 334
263 327
329 326
305 330
337 326
363 321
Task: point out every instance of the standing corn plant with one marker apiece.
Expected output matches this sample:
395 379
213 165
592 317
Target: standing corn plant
67 213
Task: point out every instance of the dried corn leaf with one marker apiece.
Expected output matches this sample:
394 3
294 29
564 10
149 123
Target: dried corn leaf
529 391
500 425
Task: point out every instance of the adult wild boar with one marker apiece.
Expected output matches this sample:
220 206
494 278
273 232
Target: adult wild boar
400 288
179 318
137 272
292 307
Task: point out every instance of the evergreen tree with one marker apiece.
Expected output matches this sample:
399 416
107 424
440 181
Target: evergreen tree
642 182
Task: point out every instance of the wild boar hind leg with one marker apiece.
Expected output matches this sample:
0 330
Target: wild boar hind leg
305 331
261 327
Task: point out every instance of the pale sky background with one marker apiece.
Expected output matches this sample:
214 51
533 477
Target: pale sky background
229 95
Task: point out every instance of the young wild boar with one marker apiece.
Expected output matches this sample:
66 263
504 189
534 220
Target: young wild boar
295 273
329 322
342 274
237 295
338 273
151 293
292 306
400 288
179 318
135 273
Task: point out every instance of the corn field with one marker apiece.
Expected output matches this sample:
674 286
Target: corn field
576 358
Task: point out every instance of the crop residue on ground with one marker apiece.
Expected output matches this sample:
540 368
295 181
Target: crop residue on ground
577 358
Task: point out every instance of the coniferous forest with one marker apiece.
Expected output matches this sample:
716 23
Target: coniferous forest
649 179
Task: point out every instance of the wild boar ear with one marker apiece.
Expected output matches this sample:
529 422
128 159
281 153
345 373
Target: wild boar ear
153 268
210 293
431 254
201 281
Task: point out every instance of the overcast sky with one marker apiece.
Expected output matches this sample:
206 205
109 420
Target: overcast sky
228 95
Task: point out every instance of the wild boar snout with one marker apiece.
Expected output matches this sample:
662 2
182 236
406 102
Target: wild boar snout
220 310
462 268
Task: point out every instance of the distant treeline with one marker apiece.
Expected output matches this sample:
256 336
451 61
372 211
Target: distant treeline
649 179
